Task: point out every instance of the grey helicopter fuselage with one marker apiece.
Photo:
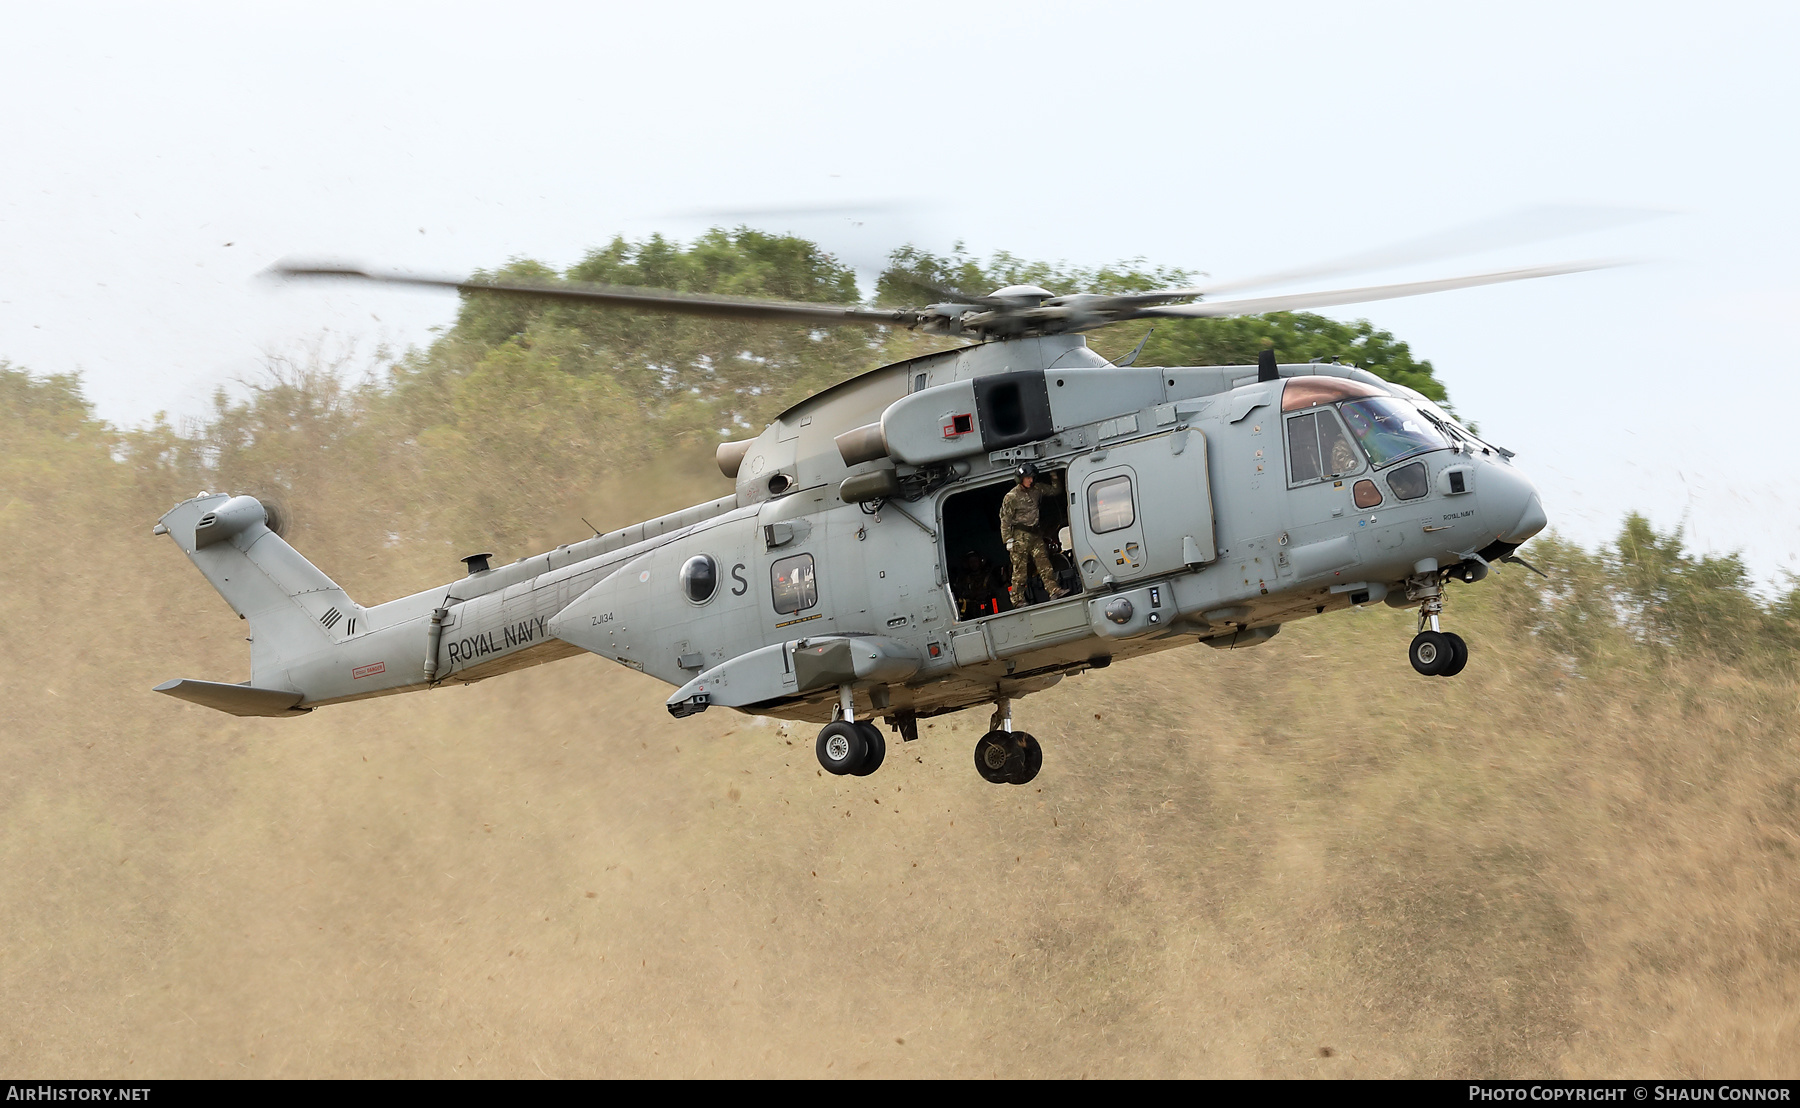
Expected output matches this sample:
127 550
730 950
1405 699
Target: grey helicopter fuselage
1209 504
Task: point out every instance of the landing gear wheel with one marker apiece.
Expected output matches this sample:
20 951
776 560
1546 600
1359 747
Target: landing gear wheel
1460 656
842 748
1027 759
1431 653
992 753
875 743
1008 757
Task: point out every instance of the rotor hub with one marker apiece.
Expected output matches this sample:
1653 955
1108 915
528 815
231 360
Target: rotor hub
1024 293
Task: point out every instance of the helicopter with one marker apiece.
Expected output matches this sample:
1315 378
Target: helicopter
850 574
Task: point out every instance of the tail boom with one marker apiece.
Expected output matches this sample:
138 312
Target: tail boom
309 642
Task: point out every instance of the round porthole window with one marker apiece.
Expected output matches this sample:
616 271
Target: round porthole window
699 577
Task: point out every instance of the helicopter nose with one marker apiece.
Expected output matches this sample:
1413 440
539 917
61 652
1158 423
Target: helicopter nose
1511 504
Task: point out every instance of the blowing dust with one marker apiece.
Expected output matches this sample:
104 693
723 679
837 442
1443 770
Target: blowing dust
1297 860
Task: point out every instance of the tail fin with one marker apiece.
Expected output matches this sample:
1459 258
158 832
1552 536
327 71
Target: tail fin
294 610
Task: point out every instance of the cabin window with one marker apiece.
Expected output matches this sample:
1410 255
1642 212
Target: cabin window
1318 448
699 578
1408 482
792 586
1109 505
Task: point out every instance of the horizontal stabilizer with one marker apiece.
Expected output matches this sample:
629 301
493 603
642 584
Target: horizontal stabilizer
238 700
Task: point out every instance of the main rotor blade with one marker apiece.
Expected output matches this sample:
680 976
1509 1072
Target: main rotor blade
620 296
942 293
1301 301
1515 228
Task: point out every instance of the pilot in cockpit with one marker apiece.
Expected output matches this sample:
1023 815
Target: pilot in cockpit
1344 458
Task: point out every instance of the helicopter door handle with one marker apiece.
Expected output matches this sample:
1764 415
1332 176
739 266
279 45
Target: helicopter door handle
1429 528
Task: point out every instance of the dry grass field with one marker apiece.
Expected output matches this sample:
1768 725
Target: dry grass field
1297 860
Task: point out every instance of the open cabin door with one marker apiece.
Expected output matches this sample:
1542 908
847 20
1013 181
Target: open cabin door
1142 508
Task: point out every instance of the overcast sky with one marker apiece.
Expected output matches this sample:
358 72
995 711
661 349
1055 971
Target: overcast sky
154 158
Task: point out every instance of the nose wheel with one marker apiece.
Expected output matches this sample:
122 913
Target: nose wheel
1434 652
1438 653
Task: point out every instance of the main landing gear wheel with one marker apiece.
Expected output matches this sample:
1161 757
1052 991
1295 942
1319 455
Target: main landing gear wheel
842 747
1030 760
1008 757
1432 653
1459 658
875 747
991 756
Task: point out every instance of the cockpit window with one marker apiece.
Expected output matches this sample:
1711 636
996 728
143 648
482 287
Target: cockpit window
1455 431
1303 449
1409 482
1390 429
1334 446
1318 448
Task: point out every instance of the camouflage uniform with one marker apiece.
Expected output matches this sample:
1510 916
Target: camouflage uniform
1018 528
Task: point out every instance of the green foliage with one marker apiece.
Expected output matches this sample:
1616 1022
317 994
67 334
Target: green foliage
526 404
1696 604
50 444
688 377
524 407
50 405
517 382
724 263
1295 336
1572 612
1781 621
512 431
913 275
1647 594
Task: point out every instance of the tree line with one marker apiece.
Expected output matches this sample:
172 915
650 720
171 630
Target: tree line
520 410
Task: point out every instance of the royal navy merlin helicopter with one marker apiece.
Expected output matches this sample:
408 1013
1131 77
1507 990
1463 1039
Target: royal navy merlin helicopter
1202 504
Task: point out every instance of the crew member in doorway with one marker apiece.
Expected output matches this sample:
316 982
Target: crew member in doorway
1018 528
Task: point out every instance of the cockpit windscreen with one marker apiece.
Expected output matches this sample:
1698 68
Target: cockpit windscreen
1390 429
